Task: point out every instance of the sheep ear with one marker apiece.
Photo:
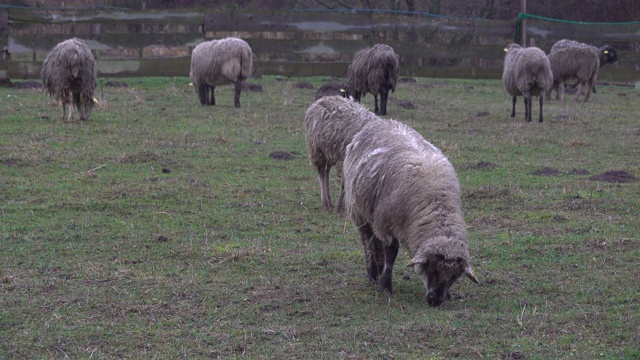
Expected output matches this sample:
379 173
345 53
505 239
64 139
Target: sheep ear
470 274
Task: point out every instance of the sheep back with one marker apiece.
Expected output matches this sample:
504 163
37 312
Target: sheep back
405 190
527 71
223 61
330 123
69 74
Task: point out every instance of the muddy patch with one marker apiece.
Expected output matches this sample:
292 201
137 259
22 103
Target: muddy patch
407 80
482 113
405 104
615 176
546 171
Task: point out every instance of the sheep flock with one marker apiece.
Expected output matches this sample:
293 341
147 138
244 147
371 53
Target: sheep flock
398 189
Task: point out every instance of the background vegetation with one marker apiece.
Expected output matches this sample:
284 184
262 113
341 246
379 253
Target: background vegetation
161 228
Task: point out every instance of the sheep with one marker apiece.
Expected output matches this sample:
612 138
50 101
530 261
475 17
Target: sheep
401 190
69 74
218 62
527 72
330 124
574 62
606 54
375 71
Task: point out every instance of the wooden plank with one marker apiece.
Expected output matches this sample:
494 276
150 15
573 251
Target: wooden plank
23 43
150 16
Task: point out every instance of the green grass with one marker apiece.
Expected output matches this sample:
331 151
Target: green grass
162 229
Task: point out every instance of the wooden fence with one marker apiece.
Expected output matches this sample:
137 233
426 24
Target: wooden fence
293 43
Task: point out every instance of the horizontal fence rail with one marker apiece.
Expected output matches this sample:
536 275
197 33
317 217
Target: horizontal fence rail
290 43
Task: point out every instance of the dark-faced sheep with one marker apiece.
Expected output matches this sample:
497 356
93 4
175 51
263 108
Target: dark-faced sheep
330 124
527 73
69 74
219 62
401 190
606 54
580 63
374 71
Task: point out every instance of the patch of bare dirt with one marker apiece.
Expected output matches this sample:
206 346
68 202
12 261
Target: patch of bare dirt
304 85
616 176
546 171
405 104
13 162
252 87
482 113
282 155
329 90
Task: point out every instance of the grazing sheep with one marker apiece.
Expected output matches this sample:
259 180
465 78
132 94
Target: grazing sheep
400 189
606 54
69 74
219 62
526 72
574 62
330 124
375 71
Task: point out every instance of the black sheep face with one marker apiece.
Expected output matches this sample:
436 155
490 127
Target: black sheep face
610 55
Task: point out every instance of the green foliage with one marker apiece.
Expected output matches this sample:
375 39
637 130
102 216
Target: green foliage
162 228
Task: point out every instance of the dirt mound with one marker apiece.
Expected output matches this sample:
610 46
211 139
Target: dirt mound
304 85
546 171
252 87
329 89
407 80
617 176
405 104
282 155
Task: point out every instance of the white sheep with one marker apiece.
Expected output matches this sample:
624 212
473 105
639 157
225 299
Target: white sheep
375 71
571 59
400 189
69 74
527 73
219 62
330 124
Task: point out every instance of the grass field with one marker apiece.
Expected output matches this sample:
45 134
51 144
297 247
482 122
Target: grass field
163 229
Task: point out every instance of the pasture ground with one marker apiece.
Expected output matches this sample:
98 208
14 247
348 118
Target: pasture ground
163 229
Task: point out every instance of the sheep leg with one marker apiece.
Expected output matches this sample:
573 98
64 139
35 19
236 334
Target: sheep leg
236 96
590 85
325 191
541 101
390 253
372 251
340 197
357 95
527 108
69 101
212 100
375 101
203 93
513 109
384 96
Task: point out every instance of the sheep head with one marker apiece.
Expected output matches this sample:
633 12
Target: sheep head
438 274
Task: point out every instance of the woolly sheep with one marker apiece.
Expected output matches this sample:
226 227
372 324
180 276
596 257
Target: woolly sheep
375 71
69 74
581 63
401 190
219 62
330 124
527 72
606 54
